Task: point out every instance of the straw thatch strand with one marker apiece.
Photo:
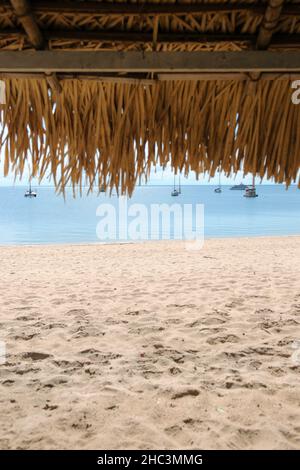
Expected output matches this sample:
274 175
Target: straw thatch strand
105 133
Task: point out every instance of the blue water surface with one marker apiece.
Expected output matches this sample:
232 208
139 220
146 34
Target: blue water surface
50 219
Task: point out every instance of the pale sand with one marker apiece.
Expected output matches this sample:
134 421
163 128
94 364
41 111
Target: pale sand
151 346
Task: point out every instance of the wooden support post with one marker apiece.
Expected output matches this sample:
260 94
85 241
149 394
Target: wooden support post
54 83
34 34
269 24
25 16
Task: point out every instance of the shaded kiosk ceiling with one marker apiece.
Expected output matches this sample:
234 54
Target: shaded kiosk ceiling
97 92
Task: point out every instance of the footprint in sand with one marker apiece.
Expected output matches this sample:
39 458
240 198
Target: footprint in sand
50 407
35 356
104 358
276 371
212 321
26 318
190 392
77 312
173 430
8 382
223 339
246 438
175 371
25 336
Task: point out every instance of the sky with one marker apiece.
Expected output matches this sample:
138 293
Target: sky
157 177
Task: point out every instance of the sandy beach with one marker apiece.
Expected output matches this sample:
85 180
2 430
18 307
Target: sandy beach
151 346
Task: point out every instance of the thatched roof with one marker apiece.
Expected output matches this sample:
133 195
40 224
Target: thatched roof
111 127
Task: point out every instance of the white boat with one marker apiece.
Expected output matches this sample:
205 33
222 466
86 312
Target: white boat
239 187
251 190
175 191
219 189
30 193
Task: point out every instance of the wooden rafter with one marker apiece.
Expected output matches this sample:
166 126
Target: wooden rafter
134 36
143 8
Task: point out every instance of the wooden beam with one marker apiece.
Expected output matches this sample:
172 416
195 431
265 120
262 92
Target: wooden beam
104 61
147 9
129 37
166 77
243 76
269 24
144 37
25 16
116 9
286 40
130 80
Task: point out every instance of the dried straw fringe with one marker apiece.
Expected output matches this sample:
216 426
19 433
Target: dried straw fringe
108 134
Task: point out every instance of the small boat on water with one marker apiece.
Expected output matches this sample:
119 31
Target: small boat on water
175 191
30 193
239 187
251 190
219 189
